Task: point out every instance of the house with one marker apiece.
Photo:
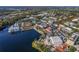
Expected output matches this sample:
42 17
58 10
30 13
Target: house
42 24
75 20
61 48
31 17
71 24
48 29
50 22
67 29
75 35
70 42
62 35
44 18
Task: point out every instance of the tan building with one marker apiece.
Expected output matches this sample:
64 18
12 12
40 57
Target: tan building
25 26
70 42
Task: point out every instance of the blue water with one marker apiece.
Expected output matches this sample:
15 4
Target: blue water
17 42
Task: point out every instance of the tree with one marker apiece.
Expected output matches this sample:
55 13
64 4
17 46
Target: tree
72 49
1 23
5 22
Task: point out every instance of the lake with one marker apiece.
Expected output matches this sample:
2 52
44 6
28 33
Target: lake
17 42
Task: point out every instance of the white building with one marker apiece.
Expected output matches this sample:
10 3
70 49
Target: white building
74 20
67 29
14 28
55 40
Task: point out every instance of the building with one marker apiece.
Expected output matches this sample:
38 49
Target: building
48 29
62 48
75 20
70 42
54 40
66 29
25 26
75 38
20 26
14 28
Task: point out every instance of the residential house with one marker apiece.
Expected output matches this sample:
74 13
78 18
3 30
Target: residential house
75 38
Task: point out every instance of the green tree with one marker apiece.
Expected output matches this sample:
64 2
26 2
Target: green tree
72 49
5 22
